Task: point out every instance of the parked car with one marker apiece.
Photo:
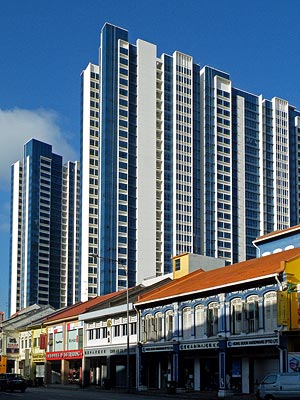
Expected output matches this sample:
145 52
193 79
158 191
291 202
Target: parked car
11 381
285 385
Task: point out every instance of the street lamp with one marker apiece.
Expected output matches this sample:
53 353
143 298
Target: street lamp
121 263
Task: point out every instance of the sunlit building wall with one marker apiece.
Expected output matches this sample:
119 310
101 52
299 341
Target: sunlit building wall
187 163
44 250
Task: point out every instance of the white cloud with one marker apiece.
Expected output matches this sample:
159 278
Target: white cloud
17 126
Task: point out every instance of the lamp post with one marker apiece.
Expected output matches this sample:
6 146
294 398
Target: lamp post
127 315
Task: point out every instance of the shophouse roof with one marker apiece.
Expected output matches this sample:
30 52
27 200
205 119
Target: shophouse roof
243 272
74 310
28 316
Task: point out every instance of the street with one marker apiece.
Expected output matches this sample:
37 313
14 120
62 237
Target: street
74 393
65 393
55 392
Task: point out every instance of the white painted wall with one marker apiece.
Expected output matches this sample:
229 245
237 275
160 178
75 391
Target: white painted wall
15 237
85 180
146 159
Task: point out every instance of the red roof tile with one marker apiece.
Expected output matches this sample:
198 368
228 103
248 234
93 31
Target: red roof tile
78 308
200 280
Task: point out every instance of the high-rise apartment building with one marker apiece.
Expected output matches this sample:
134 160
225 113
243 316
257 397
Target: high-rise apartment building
89 162
176 159
44 253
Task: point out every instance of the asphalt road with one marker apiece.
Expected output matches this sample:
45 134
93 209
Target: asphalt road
42 393
74 393
57 392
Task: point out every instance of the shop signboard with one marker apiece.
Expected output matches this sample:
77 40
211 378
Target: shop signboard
12 345
64 355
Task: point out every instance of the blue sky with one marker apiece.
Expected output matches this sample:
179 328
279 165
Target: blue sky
44 46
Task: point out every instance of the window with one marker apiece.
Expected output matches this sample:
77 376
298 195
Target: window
244 315
97 331
124 329
270 311
117 330
133 328
50 343
270 379
199 321
177 264
90 334
251 322
80 338
72 339
212 319
148 328
236 316
169 324
186 323
58 341
158 326
104 332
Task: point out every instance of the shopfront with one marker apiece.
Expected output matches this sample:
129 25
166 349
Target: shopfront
199 365
159 365
64 366
38 368
106 366
250 359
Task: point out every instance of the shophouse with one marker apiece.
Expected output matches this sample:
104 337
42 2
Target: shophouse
221 329
38 352
111 350
20 339
65 342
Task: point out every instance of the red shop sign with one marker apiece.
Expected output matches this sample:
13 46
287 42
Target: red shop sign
64 355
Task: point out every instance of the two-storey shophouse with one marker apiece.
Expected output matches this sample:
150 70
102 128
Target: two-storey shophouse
111 337
64 352
32 337
18 340
222 329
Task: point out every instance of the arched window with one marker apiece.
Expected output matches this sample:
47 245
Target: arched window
251 317
236 314
148 331
186 323
199 321
169 321
270 311
212 319
158 326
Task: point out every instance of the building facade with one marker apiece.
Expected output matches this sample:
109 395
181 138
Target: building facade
213 329
21 347
111 350
89 161
221 330
176 159
277 241
44 242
